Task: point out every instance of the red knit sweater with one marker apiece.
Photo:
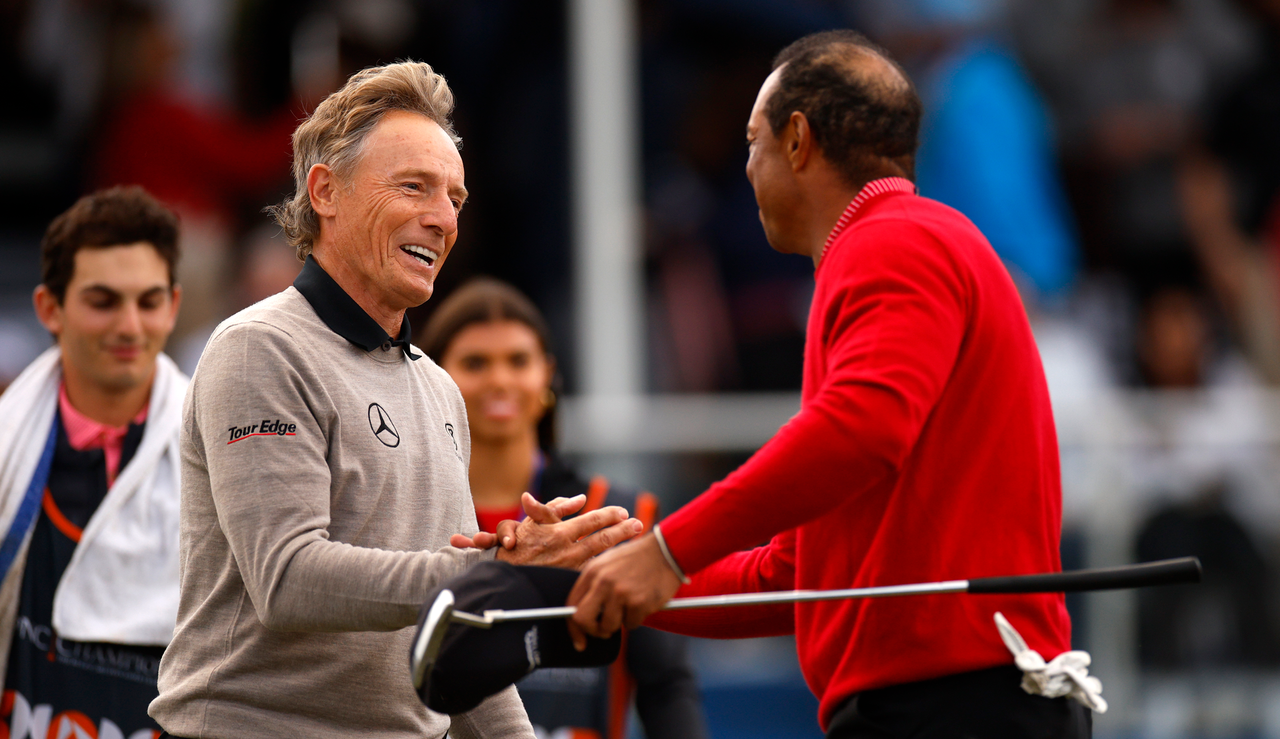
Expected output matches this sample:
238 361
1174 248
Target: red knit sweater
924 450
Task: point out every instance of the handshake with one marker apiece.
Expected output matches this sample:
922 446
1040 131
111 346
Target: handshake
546 538
620 587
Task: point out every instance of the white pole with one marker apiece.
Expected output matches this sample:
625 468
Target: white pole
603 108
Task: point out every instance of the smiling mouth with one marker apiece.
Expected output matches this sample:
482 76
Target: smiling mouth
500 409
422 254
128 350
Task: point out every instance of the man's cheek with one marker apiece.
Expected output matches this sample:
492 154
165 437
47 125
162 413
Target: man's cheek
158 330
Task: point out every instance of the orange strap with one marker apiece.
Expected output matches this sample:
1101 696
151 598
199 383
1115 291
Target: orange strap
60 522
596 493
621 686
647 509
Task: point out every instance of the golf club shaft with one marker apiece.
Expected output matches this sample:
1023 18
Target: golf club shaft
1164 572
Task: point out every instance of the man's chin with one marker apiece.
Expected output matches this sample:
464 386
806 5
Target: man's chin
781 243
122 382
776 242
127 376
420 291
420 296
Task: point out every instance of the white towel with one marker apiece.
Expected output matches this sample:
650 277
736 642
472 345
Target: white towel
1067 674
121 585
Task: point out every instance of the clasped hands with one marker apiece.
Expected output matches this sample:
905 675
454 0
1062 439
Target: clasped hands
620 587
545 538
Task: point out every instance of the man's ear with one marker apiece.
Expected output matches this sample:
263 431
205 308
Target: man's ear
798 140
48 310
321 188
177 301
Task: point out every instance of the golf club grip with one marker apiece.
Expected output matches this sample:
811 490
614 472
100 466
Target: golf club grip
1164 572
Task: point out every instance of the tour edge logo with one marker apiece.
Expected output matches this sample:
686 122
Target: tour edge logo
267 427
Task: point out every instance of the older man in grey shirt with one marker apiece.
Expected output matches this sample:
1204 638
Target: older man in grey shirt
324 458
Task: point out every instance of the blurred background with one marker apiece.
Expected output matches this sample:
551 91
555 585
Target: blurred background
1123 157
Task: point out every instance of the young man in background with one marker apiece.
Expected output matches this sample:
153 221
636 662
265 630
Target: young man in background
89 478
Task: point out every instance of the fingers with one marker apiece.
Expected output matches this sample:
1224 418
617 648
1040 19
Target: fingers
535 511
567 506
507 534
577 636
620 587
605 538
553 511
611 615
634 617
461 541
587 595
598 519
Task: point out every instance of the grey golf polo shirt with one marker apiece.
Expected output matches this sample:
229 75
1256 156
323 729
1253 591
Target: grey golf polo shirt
324 467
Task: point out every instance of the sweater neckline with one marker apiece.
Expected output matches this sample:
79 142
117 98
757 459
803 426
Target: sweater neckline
869 191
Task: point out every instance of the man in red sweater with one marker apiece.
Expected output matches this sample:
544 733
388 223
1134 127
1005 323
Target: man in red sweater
924 448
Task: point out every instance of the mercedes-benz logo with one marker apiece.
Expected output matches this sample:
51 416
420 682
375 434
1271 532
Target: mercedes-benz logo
383 429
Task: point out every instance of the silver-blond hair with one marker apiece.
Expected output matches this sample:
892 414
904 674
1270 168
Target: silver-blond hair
335 133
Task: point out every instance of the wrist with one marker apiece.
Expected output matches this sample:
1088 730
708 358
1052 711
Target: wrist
667 556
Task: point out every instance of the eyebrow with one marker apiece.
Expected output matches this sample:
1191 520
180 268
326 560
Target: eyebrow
433 177
98 287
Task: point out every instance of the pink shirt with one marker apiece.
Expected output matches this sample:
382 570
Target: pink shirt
84 433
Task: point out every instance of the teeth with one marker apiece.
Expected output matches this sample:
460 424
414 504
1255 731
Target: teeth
422 253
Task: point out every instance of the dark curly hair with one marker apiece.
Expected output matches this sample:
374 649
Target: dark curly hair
111 217
856 117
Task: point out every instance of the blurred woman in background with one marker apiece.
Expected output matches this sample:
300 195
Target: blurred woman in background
495 344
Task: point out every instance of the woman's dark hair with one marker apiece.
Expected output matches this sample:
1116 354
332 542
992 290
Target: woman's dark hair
486 300
114 217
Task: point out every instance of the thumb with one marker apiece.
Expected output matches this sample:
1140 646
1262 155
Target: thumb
537 512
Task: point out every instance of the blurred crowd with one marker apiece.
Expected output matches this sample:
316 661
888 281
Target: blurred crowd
1120 155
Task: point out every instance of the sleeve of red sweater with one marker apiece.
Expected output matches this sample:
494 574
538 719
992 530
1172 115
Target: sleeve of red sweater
893 308
765 568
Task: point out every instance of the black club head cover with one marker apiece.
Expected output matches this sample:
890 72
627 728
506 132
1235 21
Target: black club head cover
472 663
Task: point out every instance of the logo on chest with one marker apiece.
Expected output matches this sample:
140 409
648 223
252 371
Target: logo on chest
453 436
384 430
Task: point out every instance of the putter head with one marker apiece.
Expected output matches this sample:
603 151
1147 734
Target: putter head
426 643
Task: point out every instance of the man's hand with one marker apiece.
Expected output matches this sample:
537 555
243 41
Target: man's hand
543 538
551 512
620 587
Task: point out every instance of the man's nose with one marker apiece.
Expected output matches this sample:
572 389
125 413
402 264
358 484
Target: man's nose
440 214
130 321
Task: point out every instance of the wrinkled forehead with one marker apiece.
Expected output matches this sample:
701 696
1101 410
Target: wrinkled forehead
407 140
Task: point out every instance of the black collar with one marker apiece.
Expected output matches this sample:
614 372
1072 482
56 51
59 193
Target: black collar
343 315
